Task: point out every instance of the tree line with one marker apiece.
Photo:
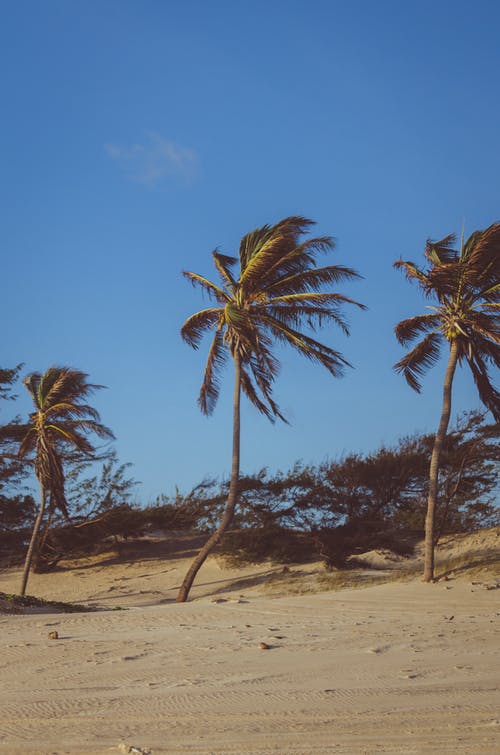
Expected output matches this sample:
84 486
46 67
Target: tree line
329 511
281 295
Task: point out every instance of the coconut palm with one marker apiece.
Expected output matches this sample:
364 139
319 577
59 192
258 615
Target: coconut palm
61 421
279 289
465 286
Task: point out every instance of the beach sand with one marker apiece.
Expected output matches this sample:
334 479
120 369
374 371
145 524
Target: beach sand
402 667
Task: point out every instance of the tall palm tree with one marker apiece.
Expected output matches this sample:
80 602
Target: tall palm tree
278 290
465 285
61 421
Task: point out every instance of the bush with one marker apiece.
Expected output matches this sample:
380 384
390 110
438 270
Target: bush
254 544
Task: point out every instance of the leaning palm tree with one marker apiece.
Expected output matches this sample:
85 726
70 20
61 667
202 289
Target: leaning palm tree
465 285
61 421
278 290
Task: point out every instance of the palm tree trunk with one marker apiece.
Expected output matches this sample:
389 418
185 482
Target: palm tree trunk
227 517
34 539
434 465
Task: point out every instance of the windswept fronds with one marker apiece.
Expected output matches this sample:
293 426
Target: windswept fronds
483 258
215 292
413 273
441 252
210 387
63 382
407 330
196 326
279 290
487 391
297 259
466 286
60 421
224 265
307 346
312 280
419 359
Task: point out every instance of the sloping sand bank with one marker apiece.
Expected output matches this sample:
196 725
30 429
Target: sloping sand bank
395 668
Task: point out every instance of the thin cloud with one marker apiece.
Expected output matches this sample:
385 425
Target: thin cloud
156 160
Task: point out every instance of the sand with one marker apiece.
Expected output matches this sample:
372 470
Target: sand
402 667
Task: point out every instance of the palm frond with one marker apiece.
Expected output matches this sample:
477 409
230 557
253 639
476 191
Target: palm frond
252 395
71 410
407 330
265 405
70 435
307 346
224 265
418 360
64 383
308 315
215 292
413 273
278 290
196 326
60 421
450 281
297 259
251 243
482 255
210 388
265 247
87 426
311 280
314 297
487 391
49 470
466 285
28 443
482 346
441 252
491 294
485 324
32 382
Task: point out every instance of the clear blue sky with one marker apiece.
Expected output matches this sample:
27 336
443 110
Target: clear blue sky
138 136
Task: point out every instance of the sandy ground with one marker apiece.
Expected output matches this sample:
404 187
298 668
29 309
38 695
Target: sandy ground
401 667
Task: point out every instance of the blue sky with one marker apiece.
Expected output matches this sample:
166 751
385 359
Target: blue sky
139 136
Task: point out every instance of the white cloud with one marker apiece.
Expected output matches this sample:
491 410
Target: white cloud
155 160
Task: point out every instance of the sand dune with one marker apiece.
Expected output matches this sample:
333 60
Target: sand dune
400 667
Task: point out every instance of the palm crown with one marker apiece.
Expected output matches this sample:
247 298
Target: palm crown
60 420
278 290
466 285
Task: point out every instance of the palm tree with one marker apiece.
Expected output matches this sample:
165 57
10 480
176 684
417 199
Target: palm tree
278 290
465 285
61 421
